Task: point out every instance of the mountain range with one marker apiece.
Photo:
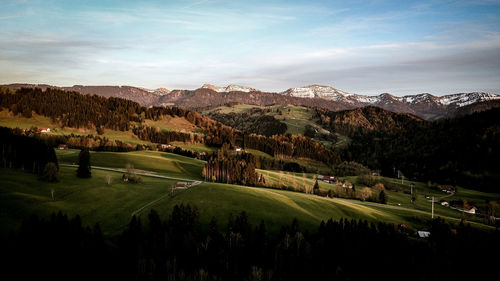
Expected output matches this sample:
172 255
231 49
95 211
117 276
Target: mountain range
424 105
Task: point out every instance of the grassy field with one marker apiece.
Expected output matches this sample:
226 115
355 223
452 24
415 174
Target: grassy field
295 117
162 163
93 199
198 147
7 119
111 205
170 123
275 207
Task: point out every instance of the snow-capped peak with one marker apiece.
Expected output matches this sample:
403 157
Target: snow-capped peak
212 87
229 88
462 99
317 91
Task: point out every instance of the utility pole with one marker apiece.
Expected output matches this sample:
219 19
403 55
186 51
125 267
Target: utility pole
432 207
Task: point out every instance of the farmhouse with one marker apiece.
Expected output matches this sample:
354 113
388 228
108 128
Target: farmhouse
182 185
347 185
466 208
423 234
45 130
447 188
328 179
62 146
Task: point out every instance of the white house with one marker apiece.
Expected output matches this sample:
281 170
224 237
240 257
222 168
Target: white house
45 130
423 234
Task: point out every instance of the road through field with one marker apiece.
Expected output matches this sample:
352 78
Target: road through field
376 205
137 173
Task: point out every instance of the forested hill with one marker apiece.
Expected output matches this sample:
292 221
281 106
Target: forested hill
71 109
366 118
463 150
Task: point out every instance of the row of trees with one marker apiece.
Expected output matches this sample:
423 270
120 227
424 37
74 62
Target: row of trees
223 167
291 146
460 151
76 110
181 248
72 109
25 153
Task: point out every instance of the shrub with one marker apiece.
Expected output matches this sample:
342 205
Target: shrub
50 172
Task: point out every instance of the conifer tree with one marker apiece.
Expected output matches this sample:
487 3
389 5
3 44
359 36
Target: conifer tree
84 164
316 187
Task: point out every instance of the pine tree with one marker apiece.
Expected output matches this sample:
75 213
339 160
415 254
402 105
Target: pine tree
84 164
50 172
316 187
382 197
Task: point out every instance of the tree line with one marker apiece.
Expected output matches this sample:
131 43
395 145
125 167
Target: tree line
72 109
223 167
25 153
181 248
459 151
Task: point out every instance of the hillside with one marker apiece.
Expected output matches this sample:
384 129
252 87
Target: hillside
142 96
205 97
112 204
367 118
152 125
424 105
460 151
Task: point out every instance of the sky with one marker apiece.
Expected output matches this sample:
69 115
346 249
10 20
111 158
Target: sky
364 47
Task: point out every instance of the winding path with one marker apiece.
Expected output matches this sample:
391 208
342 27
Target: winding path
137 173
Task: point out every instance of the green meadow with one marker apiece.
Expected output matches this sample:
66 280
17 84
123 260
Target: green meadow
107 200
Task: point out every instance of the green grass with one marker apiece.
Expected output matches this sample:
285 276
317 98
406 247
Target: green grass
197 147
22 194
93 199
275 207
162 163
422 203
7 119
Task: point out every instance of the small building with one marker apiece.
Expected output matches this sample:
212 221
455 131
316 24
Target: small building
423 234
166 146
472 210
447 188
347 185
44 130
182 185
328 179
237 149
466 209
62 146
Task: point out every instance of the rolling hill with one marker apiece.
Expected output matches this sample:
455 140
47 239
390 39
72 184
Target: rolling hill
424 105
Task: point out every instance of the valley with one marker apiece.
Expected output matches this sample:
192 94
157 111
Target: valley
238 173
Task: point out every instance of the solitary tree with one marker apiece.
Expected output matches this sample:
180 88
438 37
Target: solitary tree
50 172
382 197
84 164
316 187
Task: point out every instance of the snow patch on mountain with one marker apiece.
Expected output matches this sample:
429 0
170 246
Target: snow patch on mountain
462 99
319 91
229 88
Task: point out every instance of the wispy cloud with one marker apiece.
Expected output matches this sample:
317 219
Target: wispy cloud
367 47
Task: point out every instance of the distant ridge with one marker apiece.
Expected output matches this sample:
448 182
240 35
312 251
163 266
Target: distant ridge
424 105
